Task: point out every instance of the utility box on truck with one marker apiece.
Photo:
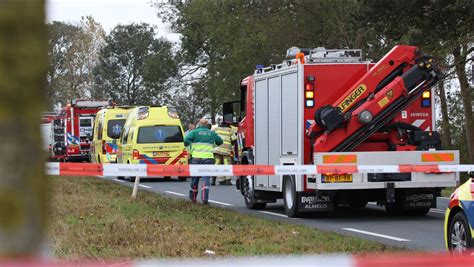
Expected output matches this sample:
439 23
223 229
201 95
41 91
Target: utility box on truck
331 107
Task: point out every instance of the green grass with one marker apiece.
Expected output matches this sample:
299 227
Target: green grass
92 218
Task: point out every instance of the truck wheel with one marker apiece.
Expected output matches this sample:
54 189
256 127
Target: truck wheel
182 178
289 197
459 235
249 198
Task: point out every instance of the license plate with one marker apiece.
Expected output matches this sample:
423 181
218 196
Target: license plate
161 154
337 178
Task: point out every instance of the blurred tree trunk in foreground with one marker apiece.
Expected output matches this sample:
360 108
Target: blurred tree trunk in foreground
23 188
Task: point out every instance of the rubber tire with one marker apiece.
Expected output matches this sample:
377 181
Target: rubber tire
460 217
251 205
182 178
254 205
289 184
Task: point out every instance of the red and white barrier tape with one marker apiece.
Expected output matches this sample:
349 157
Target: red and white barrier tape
376 260
145 170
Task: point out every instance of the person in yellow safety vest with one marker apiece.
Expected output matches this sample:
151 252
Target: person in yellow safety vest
223 153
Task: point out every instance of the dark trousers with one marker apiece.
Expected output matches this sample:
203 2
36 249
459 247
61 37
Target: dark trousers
193 191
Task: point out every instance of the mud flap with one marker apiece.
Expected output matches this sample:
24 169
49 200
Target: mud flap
420 200
312 202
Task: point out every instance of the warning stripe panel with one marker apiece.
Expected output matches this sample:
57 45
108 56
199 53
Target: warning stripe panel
437 157
331 159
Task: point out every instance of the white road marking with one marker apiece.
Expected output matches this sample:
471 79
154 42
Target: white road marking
146 186
174 193
273 213
212 201
221 203
375 234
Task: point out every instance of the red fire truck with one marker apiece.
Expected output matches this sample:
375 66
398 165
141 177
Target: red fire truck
325 106
72 130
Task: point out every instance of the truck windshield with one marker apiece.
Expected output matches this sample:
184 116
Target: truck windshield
114 127
87 122
159 134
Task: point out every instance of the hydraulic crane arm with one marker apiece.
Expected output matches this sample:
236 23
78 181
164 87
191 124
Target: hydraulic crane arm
375 99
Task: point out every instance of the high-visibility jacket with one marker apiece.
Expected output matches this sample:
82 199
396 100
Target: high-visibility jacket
227 136
203 141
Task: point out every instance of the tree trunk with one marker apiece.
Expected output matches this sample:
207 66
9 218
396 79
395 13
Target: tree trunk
213 115
460 66
23 186
445 129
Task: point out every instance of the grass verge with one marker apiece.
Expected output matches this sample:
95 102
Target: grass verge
92 218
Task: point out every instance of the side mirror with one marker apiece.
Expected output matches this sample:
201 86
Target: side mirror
230 111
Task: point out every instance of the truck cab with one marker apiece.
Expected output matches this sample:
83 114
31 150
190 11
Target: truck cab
330 107
152 135
108 124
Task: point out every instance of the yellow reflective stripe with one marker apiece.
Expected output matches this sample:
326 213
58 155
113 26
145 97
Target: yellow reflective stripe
225 134
202 150
200 143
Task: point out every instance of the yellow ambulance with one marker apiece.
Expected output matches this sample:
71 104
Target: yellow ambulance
152 135
107 128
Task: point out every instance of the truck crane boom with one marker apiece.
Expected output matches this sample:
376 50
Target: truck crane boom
390 86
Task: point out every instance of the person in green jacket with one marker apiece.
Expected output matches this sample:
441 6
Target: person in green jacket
202 141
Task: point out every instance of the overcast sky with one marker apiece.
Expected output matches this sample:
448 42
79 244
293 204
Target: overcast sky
108 13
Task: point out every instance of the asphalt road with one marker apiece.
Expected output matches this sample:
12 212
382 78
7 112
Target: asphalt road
371 223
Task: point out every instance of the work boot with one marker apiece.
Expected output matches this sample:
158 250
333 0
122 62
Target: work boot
213 182
191 196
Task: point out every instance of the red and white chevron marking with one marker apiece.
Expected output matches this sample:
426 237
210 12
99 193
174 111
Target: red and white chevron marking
145 170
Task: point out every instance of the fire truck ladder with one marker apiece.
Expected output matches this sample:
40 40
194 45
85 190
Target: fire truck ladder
417 79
